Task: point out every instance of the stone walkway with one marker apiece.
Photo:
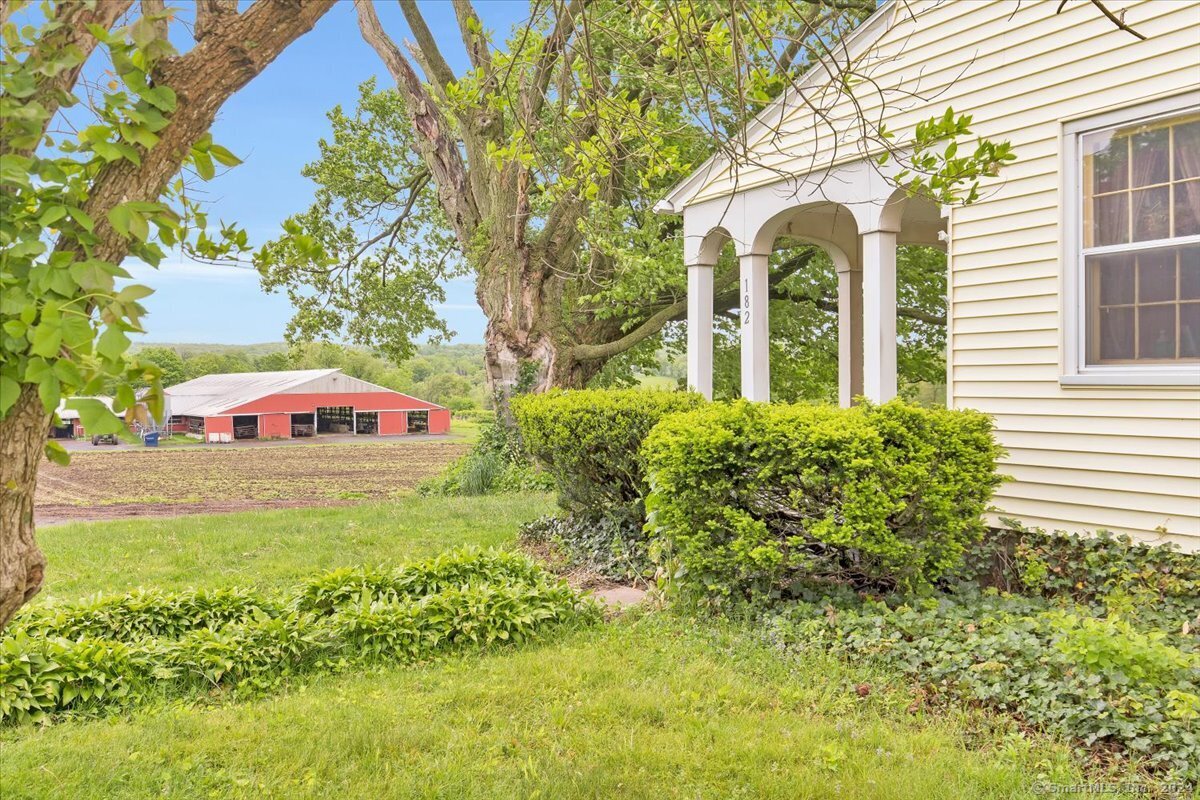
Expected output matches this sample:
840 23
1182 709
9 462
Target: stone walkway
619 597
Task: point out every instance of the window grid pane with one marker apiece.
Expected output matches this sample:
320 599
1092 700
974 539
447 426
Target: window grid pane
1141 183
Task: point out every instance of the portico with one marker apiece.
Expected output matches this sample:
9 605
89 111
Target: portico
852 212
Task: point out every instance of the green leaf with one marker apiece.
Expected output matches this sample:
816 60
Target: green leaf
133 292
96 417
113 343
81 218
223 156
204 165
47 337
52 215
58 454
9 391
106 150
119 218
92 276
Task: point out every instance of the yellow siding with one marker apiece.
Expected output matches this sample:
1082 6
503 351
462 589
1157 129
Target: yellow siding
1126 459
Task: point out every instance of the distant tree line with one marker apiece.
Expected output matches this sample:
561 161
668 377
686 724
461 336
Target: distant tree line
449 375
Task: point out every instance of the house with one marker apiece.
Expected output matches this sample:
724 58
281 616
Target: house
1074 280
281 405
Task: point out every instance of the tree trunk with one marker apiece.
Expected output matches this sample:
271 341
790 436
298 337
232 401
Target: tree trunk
22 566
529 346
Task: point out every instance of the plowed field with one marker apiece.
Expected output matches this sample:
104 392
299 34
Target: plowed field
145 482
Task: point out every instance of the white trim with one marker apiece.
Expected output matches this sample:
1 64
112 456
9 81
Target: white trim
1075 371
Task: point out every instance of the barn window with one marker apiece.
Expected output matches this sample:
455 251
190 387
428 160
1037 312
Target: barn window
1136 218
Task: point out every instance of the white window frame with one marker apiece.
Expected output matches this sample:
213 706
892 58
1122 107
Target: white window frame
1076 371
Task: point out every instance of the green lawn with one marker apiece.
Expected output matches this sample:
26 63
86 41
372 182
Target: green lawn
650 705
270 548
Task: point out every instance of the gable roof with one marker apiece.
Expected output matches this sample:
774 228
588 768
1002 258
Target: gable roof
867 33
212 394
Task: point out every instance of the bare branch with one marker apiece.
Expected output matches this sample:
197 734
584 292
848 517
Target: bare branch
430 57
434 140
1116 18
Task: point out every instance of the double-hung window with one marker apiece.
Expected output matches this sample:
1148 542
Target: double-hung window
1136 239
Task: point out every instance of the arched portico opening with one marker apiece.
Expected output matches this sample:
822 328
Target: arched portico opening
860 231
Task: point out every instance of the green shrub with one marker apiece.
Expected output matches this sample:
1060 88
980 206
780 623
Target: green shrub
348 618
1114 570
589 441
748 498
457 568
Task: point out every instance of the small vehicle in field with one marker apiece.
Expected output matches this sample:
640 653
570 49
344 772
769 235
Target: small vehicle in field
104 438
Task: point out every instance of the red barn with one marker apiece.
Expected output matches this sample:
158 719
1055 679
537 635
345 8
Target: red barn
281 405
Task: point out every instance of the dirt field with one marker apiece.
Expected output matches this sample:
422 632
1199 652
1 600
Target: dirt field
143 482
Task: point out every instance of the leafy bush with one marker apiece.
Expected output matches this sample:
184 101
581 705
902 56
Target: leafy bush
1104 568
748 498
347 618
589 441
143 614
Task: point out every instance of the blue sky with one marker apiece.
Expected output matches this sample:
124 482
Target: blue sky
273 124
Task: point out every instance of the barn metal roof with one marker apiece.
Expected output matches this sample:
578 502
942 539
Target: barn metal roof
211 394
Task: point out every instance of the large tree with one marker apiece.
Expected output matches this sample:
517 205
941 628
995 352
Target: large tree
536 170
75 203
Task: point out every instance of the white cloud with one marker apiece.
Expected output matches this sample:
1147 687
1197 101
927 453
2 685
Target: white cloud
190 271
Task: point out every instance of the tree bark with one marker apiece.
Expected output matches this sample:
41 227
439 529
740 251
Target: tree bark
22 566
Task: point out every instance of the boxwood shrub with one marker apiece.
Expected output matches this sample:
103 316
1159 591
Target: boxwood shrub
590 443
747 498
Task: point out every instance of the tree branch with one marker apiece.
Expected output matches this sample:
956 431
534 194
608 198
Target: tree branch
203 79
473 37
72 33
210 16
430 57
434 140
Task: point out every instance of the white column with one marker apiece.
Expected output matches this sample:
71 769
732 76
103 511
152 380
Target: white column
850 334
699 329
756 371
879 315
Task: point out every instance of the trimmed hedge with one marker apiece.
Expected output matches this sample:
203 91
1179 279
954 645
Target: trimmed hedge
590 443
747 498
111 653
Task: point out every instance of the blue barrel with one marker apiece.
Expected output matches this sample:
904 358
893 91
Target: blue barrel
152 439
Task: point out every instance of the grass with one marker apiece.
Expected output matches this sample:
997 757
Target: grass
270 548
650 705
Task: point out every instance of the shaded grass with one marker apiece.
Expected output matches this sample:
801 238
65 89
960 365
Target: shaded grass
270 548
644 707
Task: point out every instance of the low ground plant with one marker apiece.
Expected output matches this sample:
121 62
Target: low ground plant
110 653
1071 657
